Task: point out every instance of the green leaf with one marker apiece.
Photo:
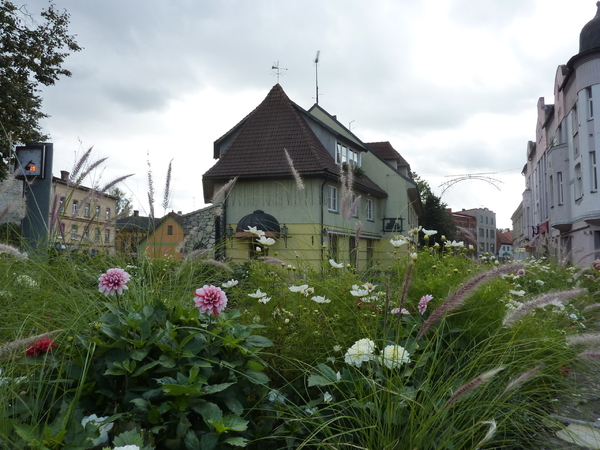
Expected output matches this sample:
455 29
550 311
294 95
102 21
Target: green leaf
141 404
236 441
209 412
216 388
209 441
139 354
257 377
166 361
140 370
131 437
327 372
191 441
259 341
318 380
154 415
234 405
234 423
253 365
177 390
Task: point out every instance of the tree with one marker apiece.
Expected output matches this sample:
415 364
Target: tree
124 202
435 215
31 54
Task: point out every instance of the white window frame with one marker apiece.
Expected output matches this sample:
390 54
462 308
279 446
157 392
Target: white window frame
333 199
370 210
73 231
593 172
86 210
75 207
353 198
107 236
107 213
97 235
578 182
590 103
97 216
574 121
561 192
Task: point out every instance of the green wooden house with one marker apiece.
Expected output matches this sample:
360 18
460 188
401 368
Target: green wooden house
344 201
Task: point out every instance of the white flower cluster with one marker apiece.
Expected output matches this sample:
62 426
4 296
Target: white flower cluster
363 350
303 289
103 429
26 281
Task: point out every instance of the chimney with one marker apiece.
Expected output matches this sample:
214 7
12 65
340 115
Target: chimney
64 175
136 213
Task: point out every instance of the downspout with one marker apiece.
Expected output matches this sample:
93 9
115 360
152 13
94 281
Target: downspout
323 215
224 228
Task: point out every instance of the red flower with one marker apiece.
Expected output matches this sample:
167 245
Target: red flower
565 370
40 346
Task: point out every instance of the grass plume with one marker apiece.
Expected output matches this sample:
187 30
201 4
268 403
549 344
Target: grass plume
167 196
220 195
539 302
150 188
473 384
457 298
299 182
521 379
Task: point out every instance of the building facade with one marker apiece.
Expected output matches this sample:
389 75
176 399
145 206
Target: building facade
81 217
561 203
308 181
484 227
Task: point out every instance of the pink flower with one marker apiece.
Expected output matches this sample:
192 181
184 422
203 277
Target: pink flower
399 311
40 346
521 272
210 299
591 277
596 264
113 281
423 303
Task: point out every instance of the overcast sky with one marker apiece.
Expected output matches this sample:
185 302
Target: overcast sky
452 84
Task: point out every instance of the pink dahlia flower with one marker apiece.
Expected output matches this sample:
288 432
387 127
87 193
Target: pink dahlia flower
113 281
210 299
423 302
40 346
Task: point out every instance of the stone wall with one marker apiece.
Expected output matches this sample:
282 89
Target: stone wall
12 203
200 229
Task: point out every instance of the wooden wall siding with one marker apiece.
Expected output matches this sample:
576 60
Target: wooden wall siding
280 198
160 244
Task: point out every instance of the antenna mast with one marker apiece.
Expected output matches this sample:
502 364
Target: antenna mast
317 75
277 70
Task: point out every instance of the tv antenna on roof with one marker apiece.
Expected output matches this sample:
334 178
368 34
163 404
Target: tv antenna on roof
277 70
317 75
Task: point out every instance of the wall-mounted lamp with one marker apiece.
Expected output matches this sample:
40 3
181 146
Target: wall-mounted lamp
284 234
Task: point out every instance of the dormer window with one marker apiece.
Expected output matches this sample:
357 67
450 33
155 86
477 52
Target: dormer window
344 154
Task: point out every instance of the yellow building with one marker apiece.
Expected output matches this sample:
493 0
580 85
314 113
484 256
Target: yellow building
165 240
81 217
155 238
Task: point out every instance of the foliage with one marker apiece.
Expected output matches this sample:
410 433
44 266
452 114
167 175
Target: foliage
436 217
31 54
178 378
163 375
124 202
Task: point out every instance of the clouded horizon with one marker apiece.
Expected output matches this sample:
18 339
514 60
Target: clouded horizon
452 84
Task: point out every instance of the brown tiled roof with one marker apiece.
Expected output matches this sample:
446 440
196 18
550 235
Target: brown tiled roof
257 149
258 143
386 151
